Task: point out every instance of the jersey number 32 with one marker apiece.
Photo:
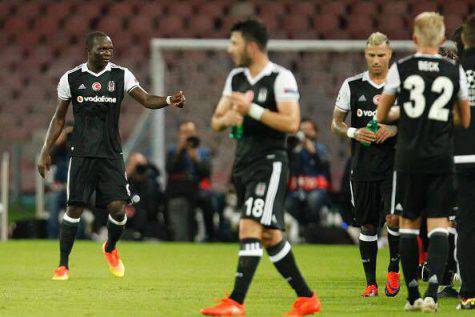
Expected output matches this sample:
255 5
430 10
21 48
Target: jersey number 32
415 108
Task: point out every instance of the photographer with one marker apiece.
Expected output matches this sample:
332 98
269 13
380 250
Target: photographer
147 197
189 184
309 174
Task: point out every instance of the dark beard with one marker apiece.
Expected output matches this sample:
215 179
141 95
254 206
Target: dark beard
246 61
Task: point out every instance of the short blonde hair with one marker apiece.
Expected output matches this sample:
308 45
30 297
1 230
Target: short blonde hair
429 29
377 38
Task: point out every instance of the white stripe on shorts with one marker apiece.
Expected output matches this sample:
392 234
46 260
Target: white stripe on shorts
393 193
352 195
67 181
271 193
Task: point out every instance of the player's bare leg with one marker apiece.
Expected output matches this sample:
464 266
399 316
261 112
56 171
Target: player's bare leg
115 228
67 235
280 253
392 283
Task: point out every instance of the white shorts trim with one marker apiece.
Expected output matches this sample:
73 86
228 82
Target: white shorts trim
271 193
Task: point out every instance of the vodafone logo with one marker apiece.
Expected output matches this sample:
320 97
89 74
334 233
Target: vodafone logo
365 113
96 86
376 99
96 99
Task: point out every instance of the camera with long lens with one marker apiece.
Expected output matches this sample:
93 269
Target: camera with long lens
193 142
295 140
141 169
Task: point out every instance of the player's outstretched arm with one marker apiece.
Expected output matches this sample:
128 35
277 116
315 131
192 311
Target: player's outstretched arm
54 130
224 116
157 102
384 107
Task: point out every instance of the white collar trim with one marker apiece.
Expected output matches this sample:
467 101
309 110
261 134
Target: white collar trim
106 69
267 70
372 83
428 55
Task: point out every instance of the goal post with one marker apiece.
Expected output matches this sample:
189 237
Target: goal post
164 80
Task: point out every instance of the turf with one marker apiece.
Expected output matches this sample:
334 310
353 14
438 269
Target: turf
167 279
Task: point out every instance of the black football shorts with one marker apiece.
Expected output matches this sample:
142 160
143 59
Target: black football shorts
104 176
420 194
261 190
371 201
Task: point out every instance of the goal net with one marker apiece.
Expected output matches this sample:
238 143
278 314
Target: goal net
199 67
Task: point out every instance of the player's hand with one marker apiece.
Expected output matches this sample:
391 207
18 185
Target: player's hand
241 101
385 132
44 164
178 100
364 135
232 117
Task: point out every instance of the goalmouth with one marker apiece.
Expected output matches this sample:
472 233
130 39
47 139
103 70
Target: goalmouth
158 74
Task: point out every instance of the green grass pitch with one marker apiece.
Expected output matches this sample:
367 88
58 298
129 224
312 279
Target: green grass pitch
171 279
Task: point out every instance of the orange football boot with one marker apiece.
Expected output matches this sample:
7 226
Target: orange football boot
226 307
370 291
115 263
392 284
304 306
61 274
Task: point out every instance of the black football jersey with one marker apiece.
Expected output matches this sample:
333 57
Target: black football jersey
359 95
96 100
272 85
427 87
465 138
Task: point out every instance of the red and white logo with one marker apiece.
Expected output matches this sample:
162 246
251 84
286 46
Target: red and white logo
80 99
96 86
376 99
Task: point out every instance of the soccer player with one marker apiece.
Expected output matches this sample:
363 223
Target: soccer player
427 87
96 90
465 167
371 163
263 97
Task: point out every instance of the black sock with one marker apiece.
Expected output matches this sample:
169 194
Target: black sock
409 250
451 266
436 259
283 258
249 256
393 241
369 252
115 228
67 234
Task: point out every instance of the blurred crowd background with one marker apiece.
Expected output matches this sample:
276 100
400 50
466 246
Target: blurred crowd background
40 40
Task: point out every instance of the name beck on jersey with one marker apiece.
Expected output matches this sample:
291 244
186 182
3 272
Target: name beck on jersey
426 66
103 99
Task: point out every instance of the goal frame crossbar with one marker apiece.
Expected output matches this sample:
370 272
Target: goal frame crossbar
158 73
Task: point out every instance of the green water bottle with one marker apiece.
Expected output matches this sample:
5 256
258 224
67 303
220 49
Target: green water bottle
236 132
373 127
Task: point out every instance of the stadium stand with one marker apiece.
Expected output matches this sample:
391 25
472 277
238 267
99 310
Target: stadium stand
42 39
